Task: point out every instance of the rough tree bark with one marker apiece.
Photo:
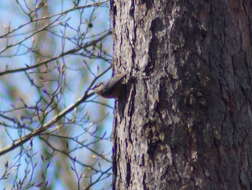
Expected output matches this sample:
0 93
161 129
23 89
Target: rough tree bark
186 120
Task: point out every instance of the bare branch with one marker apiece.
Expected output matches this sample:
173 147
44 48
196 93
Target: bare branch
54 120
51 16
56 57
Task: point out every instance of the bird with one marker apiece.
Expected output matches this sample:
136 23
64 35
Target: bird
113 88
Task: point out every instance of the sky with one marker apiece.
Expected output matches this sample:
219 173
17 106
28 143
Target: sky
11 15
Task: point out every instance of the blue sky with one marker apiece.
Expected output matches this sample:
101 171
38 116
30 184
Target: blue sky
11 15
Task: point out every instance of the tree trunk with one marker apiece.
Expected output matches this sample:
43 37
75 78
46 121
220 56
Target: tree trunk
186 120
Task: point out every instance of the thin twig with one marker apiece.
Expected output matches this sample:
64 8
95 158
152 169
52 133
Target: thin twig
51 16
54 120
56 57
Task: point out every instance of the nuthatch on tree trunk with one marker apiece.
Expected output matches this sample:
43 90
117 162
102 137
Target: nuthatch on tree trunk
111 89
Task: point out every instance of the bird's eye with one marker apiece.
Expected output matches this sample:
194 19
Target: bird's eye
98 85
